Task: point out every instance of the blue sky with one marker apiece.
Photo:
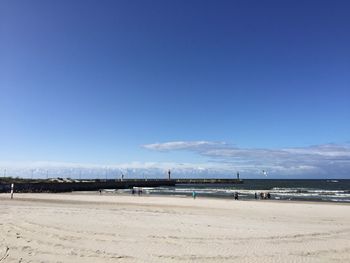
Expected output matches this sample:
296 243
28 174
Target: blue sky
149 85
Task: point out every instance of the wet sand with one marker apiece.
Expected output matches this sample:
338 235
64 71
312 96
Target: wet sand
87 227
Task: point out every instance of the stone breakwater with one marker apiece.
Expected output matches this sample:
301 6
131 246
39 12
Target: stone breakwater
88 185
68 185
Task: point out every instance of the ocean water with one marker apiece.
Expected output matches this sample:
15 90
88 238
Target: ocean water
303 190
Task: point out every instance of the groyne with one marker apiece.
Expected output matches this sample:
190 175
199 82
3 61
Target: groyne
68 185
87 185
208 181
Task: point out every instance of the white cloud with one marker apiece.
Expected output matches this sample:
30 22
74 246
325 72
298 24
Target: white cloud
223 159
326 159
184 145
130 170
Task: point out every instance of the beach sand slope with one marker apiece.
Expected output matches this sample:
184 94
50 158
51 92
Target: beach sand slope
87 227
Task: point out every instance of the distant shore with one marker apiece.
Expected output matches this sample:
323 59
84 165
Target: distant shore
88 227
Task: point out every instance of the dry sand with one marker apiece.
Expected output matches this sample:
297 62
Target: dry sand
87 227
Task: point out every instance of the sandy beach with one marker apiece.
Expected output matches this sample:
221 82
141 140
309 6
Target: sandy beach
87 227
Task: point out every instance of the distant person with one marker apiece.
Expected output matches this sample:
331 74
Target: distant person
236 195
12 189
256 195
100 192
268 195
133 191
194 194
261 195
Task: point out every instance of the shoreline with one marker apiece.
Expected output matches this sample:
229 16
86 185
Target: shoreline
110 198
215 197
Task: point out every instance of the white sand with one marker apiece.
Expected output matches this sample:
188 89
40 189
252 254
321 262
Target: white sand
113 228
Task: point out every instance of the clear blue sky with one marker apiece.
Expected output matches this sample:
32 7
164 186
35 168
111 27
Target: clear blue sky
93 81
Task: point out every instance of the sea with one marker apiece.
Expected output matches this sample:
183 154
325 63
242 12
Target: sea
294 190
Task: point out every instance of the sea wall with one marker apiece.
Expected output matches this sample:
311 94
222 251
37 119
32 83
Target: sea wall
82 186
27 185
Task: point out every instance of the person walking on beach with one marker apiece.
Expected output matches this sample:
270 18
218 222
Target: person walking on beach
236 195
194 194
12 189
256 195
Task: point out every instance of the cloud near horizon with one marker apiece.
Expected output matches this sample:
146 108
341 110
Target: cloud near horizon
130 170
321 160
223 160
